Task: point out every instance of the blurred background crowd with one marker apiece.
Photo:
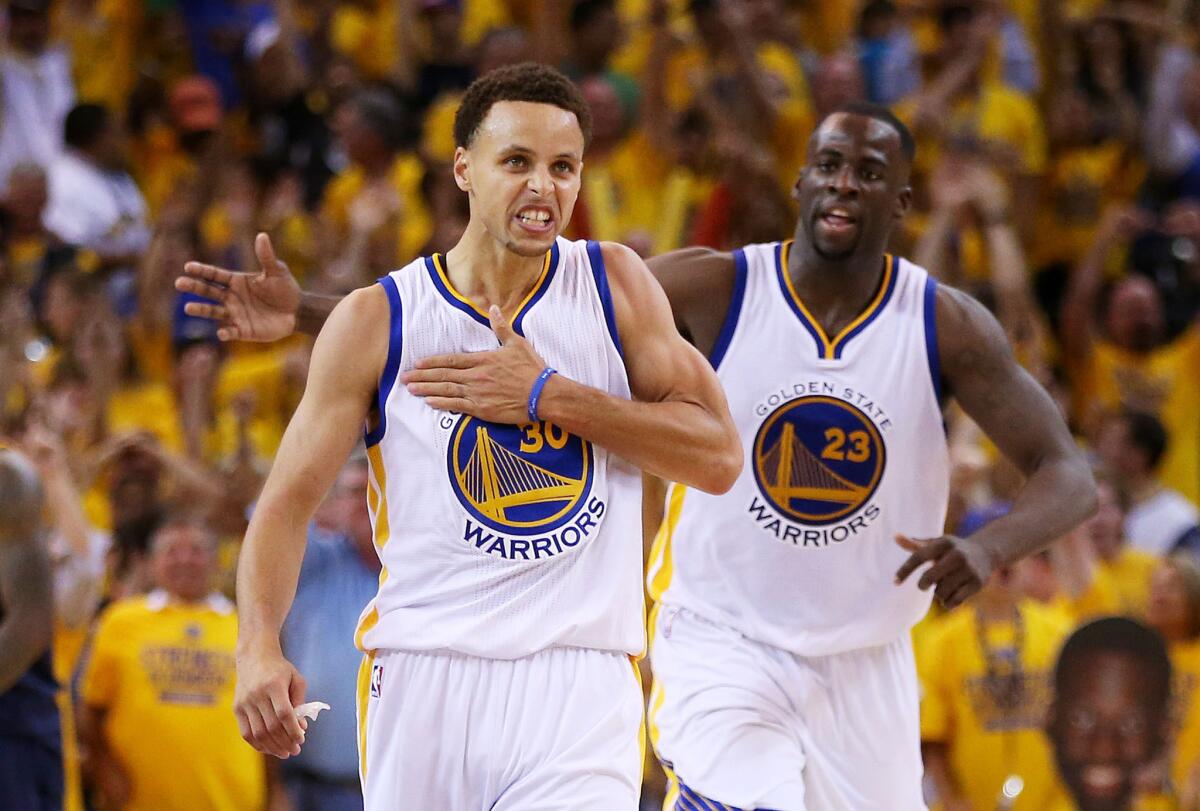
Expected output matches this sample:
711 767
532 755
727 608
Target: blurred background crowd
1057 179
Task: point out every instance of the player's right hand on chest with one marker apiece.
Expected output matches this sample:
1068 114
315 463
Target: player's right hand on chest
268 689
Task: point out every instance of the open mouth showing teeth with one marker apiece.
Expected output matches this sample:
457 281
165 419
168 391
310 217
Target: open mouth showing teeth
534 217
1101 779
838 218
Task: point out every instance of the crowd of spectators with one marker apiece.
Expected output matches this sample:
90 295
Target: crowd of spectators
1057 179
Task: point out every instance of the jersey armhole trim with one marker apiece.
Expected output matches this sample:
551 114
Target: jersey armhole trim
725 336
596 259
392 366
931 338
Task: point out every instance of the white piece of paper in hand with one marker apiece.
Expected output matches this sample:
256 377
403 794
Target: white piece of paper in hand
311 710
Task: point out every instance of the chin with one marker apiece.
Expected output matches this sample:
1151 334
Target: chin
531 248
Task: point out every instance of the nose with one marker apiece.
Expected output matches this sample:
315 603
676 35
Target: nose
540 182
844 181
1105 745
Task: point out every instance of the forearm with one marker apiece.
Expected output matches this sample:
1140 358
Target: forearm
1057 496
314 310
930 251
268 570
64 504
23 639
675 440
937 766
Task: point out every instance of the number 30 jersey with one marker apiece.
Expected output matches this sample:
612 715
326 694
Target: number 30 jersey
502 540
845 447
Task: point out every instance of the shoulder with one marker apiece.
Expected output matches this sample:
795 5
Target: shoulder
966 329
20 497
123 615
1045 621
698 261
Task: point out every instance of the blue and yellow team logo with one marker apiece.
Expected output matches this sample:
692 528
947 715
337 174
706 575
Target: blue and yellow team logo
818 459
519 479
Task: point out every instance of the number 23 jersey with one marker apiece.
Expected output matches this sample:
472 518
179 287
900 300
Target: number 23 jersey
845 447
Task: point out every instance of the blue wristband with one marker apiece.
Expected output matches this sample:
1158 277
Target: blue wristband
536 392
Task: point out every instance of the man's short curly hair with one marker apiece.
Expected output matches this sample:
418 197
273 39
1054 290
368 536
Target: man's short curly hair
528 81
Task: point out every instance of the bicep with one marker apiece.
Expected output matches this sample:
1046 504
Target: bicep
1011 407
661 364
346 363
699 285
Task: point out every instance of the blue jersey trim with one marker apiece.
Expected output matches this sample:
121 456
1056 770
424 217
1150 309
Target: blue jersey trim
544 285
931 339
721 346
392 367
596 259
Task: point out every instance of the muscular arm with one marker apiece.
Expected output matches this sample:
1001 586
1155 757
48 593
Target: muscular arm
1020 418
346 363
25 586
678 424
698 283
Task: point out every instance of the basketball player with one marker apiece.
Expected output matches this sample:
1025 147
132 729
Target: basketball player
784 675
505 496
31 771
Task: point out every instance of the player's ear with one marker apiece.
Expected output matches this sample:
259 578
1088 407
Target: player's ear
903 203
462 169
796 185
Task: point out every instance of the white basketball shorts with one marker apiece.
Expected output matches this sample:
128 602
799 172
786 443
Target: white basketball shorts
743 725
559 729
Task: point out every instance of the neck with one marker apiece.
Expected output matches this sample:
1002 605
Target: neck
834 290
1142 487
992 606
378 164
481 268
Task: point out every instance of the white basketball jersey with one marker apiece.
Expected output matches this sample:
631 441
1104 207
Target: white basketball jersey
502 540
845 447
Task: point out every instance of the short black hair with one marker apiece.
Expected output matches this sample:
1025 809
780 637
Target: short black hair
386 115
908 146
1116 635
528 81
584 11
1147 434
952 14
84 124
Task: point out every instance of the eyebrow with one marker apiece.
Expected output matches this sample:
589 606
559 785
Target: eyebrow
527 151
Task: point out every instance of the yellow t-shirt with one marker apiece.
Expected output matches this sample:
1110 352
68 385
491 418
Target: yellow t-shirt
1130 572
1102 598
1002 118
1080 183
146 407
1165 382
1185 715
795 117
164 672
103 51
412 225
991 733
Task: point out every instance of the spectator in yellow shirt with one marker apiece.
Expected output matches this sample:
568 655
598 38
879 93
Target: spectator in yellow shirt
985 679
1125 359
1129 568
158 691
376 215
1174 611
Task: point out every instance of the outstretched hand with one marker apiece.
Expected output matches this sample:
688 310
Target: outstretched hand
249 306
492 386
959 570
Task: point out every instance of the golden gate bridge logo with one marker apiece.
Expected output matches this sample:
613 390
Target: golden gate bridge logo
818 459
518 479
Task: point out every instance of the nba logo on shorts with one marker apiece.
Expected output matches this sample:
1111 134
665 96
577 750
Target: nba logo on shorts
376 681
